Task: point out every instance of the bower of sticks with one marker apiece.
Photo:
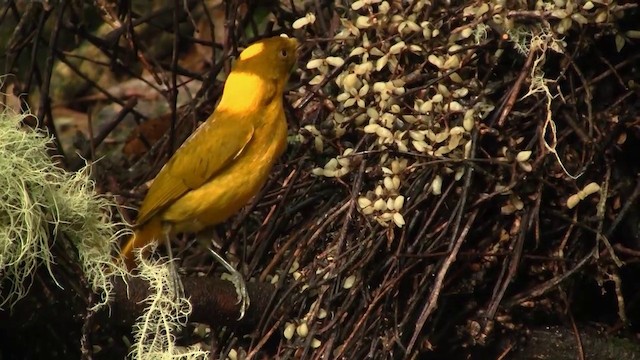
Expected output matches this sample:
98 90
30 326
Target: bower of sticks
461 177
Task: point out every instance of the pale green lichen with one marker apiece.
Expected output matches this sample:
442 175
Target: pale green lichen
39 202
167 310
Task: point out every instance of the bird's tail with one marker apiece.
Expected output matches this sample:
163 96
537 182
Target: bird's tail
143 235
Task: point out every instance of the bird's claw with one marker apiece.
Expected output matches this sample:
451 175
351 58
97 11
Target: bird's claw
241 290
238 282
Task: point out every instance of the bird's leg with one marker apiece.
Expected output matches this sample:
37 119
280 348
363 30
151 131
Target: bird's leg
238 282
173 268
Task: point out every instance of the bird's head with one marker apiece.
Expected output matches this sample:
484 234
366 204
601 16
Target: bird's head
271 58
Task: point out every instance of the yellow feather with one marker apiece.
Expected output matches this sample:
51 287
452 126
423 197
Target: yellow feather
225 162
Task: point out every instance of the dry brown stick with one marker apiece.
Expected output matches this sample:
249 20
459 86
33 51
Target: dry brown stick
578 129
549 284
600 215
337 210
45 102
63 58
88 322
264 339
382 291
630 61
437 285
95 141
275 260
355 191
32 10
627 251
588 101
501 286
515 89
577 336
172 95
622 98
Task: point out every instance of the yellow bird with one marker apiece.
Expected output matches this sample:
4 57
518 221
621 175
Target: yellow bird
225 162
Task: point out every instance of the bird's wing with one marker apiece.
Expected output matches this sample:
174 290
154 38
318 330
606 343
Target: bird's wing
210 149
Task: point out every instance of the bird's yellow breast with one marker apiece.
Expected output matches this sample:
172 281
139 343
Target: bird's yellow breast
222 196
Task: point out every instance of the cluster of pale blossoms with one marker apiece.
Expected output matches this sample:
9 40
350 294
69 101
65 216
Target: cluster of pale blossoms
434 121
373 98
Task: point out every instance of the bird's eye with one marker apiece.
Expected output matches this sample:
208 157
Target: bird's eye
283 53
